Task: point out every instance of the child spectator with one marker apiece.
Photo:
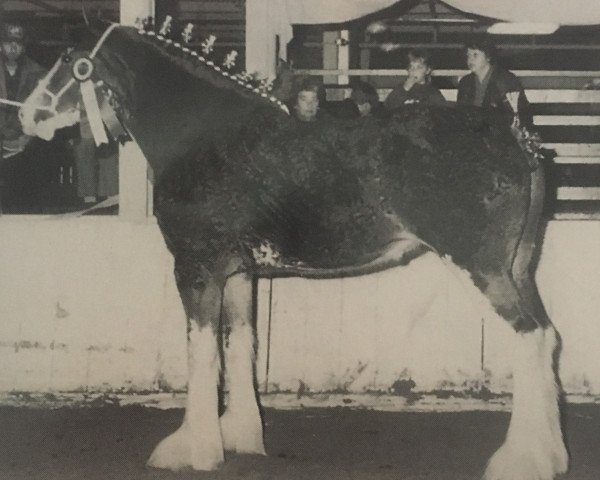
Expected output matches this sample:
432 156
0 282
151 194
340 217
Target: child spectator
417 87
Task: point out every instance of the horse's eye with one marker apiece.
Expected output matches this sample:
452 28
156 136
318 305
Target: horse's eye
66 58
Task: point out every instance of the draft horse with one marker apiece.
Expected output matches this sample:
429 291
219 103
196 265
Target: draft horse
243 190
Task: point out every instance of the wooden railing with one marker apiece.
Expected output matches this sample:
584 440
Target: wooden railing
566 114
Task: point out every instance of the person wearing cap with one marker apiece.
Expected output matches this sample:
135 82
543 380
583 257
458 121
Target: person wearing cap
19 75
21 173
488 83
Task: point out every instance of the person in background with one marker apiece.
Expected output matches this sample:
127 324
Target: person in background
22 175
19 75
488 83
417 87
363 101
97 168
307 100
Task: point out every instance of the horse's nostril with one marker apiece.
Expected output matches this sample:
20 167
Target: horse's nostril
41 115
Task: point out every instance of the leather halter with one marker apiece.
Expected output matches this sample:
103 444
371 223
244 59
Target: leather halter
43 85
82 72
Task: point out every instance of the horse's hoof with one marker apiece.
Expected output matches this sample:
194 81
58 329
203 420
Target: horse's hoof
176 452
242 434
525 464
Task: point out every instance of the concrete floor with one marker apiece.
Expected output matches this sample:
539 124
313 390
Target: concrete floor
328 443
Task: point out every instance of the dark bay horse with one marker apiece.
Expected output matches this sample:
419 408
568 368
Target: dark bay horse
243 190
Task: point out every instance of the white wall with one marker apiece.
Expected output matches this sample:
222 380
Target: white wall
90 303
423 322
87 303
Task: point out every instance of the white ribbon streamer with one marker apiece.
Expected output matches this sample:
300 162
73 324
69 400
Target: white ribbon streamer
92 108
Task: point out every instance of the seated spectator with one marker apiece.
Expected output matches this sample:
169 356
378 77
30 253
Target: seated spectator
488 83
363 101
417 87
307 99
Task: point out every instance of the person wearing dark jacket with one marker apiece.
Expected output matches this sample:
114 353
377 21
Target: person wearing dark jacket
491 86
19 75
21 171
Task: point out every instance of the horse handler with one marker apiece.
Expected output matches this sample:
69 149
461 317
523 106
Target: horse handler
19 75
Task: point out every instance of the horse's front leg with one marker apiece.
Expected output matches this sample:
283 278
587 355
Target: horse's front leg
198 443
534 448
241 424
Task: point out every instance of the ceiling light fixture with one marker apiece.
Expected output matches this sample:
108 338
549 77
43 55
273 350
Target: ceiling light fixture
508 28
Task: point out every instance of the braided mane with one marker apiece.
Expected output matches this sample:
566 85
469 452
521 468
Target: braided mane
205 68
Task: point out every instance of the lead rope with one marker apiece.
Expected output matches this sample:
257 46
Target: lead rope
6 101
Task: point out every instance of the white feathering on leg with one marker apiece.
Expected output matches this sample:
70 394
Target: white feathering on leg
197 443
241 424
534 447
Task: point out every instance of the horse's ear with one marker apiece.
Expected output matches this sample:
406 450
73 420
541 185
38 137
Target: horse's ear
84 13
95 15
282 85
85 35
97 23
282 67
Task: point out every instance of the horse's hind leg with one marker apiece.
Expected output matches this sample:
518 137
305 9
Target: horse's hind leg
241 424
198 443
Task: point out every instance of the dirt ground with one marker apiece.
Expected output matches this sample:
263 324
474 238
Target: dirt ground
328 443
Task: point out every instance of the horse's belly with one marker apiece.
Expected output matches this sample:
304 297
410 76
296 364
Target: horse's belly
399 250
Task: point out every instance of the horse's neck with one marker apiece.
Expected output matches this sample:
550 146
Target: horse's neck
172 113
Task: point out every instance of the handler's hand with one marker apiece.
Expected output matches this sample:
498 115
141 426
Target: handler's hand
23 141
11 147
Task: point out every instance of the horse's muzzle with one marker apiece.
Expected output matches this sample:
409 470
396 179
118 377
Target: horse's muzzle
44 123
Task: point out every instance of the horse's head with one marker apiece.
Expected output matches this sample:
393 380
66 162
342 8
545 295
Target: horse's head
55 102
